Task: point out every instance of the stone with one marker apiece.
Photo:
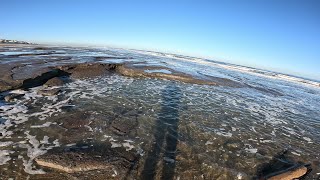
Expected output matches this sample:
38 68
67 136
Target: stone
88 70
56 81
96 156
123 125
4 86
48 92
290 174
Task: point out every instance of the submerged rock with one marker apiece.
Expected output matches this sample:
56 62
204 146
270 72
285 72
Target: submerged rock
95 156
75 120
283 167
125 120
123 125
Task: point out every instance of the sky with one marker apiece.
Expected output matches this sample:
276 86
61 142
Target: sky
278 35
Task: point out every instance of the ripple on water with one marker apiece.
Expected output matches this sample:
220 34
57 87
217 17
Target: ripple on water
219 127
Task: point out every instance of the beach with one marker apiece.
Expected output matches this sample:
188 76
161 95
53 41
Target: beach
109 113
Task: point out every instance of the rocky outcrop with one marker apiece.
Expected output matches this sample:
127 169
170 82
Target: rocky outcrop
47 69
87 70
132 71
56 81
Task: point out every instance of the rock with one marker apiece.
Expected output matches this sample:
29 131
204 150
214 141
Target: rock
4 86
56 81
284 167
290 174
92 157
12 97
37 76
140 71
48 92
76 125
75 120
123 125
88 70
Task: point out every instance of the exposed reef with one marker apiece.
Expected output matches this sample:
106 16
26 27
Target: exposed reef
85 113
32 76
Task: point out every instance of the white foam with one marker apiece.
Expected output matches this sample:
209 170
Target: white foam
208 143
72 144
35 149
226 134
251 150
128 146
307 139
295 153
165 71
266 141
4 144
4 156
47 124
18 91
89 128
239 176
115 173
115 145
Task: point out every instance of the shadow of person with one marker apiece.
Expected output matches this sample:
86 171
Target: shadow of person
165 136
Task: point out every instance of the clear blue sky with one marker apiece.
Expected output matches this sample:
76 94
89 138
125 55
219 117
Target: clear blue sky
281 35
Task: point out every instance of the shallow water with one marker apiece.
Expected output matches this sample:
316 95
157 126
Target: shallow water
183 130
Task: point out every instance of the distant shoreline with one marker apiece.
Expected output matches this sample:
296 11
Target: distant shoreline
230 66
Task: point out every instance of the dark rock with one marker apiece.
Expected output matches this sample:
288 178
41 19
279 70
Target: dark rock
42 78
292 173
125 120
123 125
75 120
48 92
93 157
56 81
267 90
89 70
41 48
283 166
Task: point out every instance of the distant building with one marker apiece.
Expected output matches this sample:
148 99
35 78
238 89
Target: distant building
7 41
